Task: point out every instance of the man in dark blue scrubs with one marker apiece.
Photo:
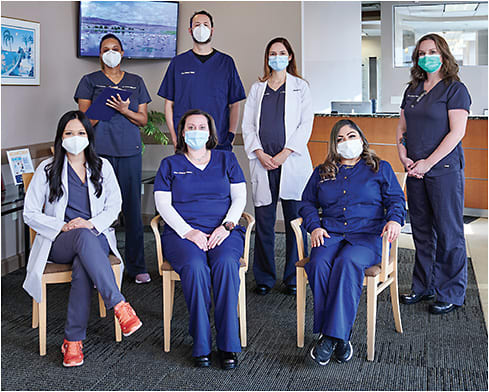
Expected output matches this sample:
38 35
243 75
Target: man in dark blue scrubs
203 78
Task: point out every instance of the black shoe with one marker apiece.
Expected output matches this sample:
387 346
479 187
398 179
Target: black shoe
202 361
343 351
262 289
323 350
290 289
442 307
413 298
228 359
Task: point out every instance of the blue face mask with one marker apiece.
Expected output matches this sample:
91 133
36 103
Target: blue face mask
278 63
196 139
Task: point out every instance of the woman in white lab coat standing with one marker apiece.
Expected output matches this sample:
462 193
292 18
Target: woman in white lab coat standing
71 202
277 125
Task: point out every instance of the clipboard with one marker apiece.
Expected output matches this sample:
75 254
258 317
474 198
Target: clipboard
98 110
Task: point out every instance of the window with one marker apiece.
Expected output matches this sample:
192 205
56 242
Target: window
463 25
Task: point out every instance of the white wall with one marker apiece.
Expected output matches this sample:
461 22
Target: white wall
394 80
332 52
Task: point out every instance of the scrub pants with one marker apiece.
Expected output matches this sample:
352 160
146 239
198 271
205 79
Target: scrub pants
199 270
436 212
336 274
128 173
91 266
265 216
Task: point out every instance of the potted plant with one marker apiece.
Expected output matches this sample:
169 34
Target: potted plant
152 128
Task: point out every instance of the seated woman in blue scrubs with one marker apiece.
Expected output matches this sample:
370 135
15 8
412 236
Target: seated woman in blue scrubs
433 119
119 141
361 201
71 202
201 193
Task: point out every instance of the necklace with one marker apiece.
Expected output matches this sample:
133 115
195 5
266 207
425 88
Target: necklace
202 159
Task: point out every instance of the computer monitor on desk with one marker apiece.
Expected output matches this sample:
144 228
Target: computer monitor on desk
349 107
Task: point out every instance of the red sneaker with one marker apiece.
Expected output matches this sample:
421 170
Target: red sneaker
128 320
73 354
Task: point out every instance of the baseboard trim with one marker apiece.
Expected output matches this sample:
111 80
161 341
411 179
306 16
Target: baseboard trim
12 263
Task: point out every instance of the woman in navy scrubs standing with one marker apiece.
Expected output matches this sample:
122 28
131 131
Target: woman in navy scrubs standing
277 125
200 193
119 141
433 119
361 201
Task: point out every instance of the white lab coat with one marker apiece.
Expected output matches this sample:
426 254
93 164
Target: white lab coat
47 218
299 117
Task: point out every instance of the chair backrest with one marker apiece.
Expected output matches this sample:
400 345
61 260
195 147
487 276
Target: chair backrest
246 219
26 179
296 223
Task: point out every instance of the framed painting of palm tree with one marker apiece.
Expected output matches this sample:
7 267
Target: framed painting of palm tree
20 52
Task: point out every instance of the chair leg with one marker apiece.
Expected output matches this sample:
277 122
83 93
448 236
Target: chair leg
42 321
372 283
35 314
117 274
167 310
101 306
301 305
242 307
172 297
395 304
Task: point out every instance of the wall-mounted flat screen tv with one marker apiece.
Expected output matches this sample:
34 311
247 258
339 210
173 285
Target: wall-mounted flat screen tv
147 29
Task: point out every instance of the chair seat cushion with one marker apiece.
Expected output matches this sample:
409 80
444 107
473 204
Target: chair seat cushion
372 271
167 266
52 268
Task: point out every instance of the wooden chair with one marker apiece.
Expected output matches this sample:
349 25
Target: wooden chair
170 276
377 278
61 273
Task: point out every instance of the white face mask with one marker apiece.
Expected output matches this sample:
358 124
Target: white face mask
111 58
201 33
350 149
75 144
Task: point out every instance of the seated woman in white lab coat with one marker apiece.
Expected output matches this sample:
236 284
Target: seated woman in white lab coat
71 202
277 125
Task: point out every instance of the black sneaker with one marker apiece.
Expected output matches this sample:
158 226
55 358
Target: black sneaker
343 351
323 350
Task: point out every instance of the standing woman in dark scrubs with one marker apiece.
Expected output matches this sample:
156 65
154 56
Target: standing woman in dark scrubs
119 141
433 119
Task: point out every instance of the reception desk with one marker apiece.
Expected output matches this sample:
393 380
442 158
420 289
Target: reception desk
380 130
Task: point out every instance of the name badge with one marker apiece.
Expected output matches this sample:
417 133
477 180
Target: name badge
187 73
182 172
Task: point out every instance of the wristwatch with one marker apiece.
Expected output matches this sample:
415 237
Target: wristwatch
229 226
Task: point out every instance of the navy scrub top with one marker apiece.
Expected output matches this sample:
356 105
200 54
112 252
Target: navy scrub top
272 120
201 197
117 137
78 200
209 86
355 205
427 122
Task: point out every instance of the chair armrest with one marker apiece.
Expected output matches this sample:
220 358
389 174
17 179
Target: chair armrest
250 223
156 231
296 227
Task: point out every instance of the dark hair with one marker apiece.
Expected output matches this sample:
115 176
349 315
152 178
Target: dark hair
329 168
203 12
291 68
55 168
211 143
449 67
108 36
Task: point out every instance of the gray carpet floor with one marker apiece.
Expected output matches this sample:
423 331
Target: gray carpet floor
447 352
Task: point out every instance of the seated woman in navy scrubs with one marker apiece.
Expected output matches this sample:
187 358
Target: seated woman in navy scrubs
433 119
361 201
201 193
119 141
71 202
